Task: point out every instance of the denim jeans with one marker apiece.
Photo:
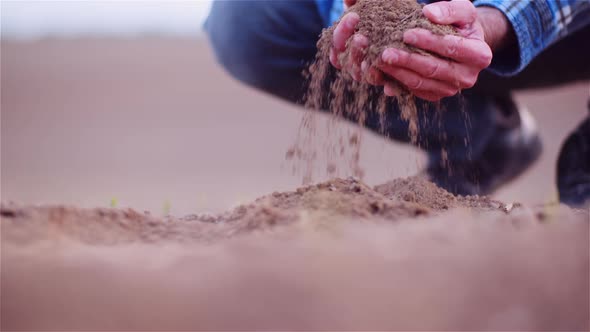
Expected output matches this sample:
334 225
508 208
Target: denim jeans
268 43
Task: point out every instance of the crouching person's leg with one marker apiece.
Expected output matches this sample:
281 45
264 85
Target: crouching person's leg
266 43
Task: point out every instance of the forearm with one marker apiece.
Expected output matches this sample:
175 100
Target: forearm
535 24
498 32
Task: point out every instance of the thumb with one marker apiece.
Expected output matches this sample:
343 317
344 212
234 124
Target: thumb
349 3
456 12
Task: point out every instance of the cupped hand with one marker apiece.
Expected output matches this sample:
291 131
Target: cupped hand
428 77
465 55
356 67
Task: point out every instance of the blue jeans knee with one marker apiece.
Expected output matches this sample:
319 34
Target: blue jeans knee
265 44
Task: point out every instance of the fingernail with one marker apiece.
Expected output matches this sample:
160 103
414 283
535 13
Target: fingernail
435 11
410 37
390 56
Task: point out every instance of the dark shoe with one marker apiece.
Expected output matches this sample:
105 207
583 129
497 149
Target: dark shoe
514 147
573 167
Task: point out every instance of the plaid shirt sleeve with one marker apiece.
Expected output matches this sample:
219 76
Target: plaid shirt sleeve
537 24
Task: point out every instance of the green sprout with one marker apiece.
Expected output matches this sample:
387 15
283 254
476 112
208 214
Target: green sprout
166 207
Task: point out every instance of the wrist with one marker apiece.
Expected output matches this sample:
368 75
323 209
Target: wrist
498 32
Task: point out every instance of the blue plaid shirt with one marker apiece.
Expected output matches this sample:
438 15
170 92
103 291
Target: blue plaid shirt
537 25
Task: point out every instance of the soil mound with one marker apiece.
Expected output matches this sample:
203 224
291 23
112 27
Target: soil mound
337 199
337 255
318 205
427 194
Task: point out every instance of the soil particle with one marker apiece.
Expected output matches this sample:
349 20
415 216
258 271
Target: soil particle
383 22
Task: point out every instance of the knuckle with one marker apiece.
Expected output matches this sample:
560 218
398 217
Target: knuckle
404 59
448 10
449 92
432 70
415 83
467 81
452 46
486 58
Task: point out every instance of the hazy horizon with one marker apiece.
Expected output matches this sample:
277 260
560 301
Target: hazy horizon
75 19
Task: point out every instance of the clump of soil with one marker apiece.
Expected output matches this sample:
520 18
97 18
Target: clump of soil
383 23
419 190
319 205
333 200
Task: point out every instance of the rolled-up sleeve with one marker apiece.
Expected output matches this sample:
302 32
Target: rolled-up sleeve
537 25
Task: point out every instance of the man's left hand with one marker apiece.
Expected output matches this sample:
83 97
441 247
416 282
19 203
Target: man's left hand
433 78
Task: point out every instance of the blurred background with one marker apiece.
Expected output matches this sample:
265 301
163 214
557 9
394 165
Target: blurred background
122 103
118 19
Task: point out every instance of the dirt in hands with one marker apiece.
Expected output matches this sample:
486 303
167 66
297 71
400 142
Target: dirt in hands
383 23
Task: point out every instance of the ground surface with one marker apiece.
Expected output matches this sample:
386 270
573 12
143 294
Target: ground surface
337 255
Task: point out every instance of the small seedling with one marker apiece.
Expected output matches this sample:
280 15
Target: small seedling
166 207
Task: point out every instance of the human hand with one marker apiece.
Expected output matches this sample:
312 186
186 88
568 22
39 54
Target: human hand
433 78
349 3
427 77
356 67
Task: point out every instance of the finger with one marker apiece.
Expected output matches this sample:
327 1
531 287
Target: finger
454 74
349 3
428 96
391 89
456 12
334 59
470 51
358 44
344 30
416 83
355 72
372 75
